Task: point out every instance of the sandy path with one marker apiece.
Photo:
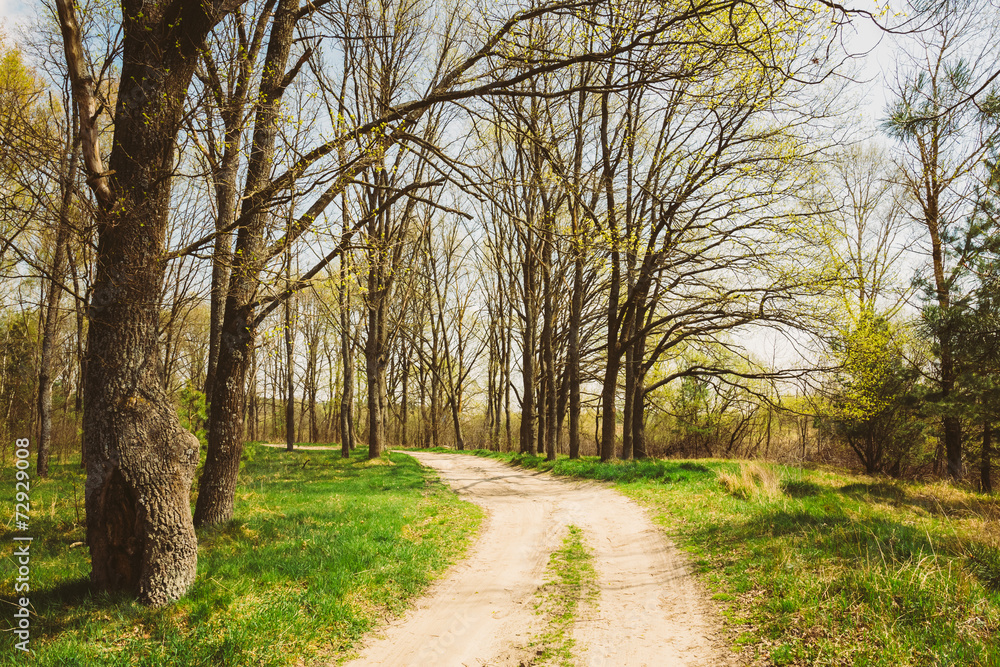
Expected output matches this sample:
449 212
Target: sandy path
650 612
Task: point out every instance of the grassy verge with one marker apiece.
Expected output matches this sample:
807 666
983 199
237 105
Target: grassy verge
818 568
322 548
571 580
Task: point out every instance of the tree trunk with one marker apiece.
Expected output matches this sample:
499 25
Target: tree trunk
630 395
573 358
50 330
639 401
140 461
222 255
375 363
217 485
404 408
541 411
424 434
347 397
528 356
508 344
610 389
551 422
312 382
985 462
253 408
289 378
459 440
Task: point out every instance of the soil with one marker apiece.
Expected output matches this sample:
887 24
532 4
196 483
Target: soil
650 611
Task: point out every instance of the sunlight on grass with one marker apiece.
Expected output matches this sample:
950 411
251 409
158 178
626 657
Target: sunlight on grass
320 550
813 567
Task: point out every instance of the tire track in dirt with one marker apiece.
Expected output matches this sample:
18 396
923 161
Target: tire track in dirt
650 611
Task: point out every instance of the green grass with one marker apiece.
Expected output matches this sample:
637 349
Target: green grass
818 568
571 580
321 549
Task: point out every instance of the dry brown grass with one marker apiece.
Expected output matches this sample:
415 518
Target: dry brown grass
752 481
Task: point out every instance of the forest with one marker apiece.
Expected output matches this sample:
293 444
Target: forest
716 229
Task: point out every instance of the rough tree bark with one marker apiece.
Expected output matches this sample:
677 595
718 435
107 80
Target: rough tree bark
140 461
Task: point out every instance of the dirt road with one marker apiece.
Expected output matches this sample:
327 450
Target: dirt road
649 611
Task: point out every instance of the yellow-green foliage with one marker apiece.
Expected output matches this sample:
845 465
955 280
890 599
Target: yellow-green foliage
869 360
25 111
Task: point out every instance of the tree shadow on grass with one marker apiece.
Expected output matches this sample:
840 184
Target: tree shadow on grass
897 494
830 531
801 488
67 605
879 490
833 533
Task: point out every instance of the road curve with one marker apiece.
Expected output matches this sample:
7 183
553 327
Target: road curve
649 613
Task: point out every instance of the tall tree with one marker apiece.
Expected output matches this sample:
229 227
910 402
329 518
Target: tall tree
944 142
140 461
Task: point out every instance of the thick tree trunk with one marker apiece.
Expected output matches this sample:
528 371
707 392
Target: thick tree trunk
140 462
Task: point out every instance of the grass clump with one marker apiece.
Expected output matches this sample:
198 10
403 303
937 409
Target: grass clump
322 548
571 580
751 481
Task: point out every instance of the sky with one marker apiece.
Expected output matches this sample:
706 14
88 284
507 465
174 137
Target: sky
13 9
